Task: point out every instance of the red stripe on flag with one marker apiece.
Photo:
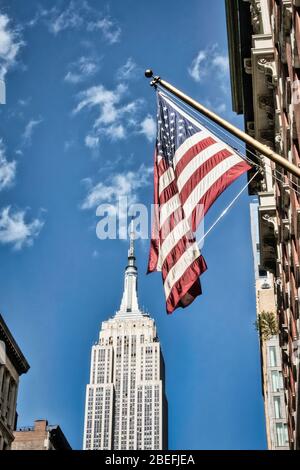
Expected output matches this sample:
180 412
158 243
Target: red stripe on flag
188 287
214 192
192 152
201 172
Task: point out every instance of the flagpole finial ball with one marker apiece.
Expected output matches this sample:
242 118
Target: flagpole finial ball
148 73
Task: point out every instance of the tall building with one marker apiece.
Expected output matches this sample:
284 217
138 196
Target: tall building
126 406
271 359
12 365
40 437
264 45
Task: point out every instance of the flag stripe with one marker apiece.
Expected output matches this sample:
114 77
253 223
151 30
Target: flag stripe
207 182
168 208
181 228
166 179
188 144
201 172
186 285
183 263
192 152
212 152
176 253
210 196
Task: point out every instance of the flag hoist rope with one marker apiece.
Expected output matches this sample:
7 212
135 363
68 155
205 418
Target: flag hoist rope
261 148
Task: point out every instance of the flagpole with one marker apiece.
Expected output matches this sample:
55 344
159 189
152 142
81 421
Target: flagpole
261 148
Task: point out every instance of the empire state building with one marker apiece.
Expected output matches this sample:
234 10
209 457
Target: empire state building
126 407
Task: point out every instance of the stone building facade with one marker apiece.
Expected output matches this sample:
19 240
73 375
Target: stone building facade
271 359
264 40
12 365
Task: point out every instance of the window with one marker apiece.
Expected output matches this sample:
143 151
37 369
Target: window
277 407
277 382
272 356
282 435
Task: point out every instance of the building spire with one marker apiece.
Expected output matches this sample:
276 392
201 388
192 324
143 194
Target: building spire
131 255
129 303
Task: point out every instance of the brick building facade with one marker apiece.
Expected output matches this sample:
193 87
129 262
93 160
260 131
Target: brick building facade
40 437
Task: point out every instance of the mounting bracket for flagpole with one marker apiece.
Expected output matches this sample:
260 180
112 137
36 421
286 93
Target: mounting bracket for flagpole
155 80
258 146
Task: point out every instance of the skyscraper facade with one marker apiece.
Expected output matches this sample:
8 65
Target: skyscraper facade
126 407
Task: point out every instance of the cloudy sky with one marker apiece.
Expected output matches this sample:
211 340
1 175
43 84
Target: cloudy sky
78 130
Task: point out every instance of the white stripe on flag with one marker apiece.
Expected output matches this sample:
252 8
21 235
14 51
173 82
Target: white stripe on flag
183 263
181 229
166 179
207 182
169 208
197 161
187 144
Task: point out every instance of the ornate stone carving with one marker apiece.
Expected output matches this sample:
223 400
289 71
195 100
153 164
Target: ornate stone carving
266 103
255 9
267 66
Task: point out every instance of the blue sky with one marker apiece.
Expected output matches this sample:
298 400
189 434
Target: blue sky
77 130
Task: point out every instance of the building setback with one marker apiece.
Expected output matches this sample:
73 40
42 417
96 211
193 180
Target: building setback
40 437
12 365
264 40
126 407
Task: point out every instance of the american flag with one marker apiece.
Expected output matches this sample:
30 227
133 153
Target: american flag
192 167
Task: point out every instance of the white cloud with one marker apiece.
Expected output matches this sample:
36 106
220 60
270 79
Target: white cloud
221 63
120 185
116 132
148 128
7 169
78 15
15 230
195 70
29 129
114 118
100 97
70 18
110 30
128 70
92 142
81 70
10 45
209 62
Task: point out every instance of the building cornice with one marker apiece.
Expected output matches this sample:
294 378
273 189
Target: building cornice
12 349
235 59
